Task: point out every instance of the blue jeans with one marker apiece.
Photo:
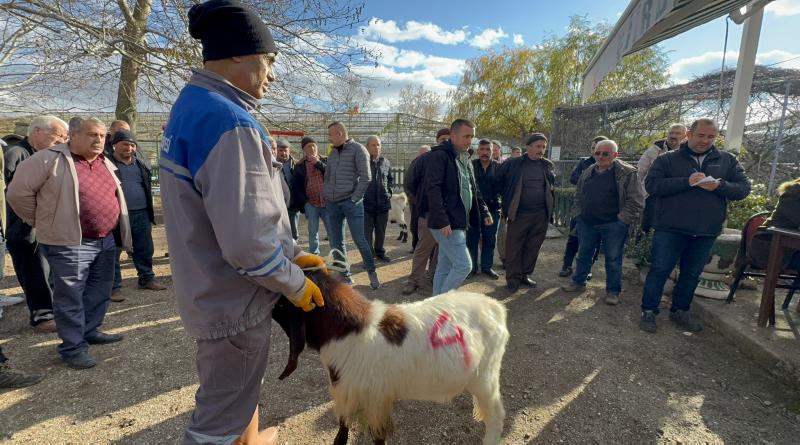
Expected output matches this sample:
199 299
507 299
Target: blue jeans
142 236
668 249
313 215
612 236
454 263
489 236
83 276
354 213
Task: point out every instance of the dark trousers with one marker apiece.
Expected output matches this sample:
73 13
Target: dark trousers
414 227
294 220
669 248
375 231
486 236
33 274
524 238
141 232
573 244
83 277
613 236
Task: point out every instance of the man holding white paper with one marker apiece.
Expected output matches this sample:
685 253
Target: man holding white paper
693 186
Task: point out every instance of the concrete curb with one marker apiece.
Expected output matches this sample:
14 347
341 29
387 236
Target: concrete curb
749 345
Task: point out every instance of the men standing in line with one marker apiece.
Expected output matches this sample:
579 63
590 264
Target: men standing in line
452 203
571 249
608 200
230 241
284 156
486 236
693 185
527 184
134 177
377 199
675 136
347 177
70 195
308 191
30 264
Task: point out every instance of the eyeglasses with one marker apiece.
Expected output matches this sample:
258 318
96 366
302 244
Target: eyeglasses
603 154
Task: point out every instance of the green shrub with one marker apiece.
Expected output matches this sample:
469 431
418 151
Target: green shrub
758 201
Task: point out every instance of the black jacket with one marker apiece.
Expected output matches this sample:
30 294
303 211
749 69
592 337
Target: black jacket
487 184
439 194
16 229
415 175
298 185
579 168
377 199
691 210
146 178
509 175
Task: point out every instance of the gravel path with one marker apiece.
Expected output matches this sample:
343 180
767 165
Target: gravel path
576 371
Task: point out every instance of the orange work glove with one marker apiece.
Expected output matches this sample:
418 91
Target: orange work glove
309 297
305 260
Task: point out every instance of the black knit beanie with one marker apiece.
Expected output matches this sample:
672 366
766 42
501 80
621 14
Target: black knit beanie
535 137
227 28
307 140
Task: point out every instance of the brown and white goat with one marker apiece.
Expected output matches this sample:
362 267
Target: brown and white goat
376 353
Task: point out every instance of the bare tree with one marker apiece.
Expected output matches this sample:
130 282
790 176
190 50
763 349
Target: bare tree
417 101
141 49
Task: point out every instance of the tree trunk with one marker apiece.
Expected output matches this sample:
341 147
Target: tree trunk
130 66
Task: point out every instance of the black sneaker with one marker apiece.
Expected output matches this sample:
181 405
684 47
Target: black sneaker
17 379
80 361
101 338
384 258
683 319
648 322
565 272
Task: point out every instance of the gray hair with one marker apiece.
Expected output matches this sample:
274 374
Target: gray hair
609 142
45 122
75 124
677 125
89 120
373 136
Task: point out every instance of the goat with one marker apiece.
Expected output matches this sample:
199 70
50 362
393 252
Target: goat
397 214
376 353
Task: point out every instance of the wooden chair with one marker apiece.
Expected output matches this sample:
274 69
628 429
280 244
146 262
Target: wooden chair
746 266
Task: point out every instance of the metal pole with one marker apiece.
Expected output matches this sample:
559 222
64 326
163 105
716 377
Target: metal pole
743 81
779 139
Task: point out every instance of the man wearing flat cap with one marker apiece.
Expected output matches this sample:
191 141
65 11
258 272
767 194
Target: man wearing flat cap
527 185
230 240
134 175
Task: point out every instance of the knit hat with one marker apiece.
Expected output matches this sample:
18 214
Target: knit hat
307 140
443 132
227 28
535 137
123 135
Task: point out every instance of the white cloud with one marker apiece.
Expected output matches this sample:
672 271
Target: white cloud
389 31
686 68
518 40
392 56
487 38
784 7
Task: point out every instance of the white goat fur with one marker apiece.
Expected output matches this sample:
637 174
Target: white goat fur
399 201
373 373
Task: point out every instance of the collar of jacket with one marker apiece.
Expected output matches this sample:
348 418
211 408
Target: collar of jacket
64 150
712 152
341 147
204 78
26 144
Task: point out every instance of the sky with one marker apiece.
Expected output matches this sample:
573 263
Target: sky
426 42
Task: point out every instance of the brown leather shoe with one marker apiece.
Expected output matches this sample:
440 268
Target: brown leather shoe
116 296
45 327
153 285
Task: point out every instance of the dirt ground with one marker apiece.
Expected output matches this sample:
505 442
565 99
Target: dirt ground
575 371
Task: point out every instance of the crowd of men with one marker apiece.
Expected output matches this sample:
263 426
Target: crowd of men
79 194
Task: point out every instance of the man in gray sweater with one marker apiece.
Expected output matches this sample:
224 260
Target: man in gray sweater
347 177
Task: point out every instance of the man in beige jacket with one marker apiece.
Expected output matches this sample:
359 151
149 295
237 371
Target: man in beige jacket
71 195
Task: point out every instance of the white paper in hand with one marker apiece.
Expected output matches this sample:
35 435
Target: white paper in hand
706 179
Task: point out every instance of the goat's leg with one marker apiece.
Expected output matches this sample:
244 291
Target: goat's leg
342 434
489 408
379 420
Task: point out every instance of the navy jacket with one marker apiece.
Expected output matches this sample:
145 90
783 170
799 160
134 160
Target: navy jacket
377 199
582 165
691 210
439 195
487 184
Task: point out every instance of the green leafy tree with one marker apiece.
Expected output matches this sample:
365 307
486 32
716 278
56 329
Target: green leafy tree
513 92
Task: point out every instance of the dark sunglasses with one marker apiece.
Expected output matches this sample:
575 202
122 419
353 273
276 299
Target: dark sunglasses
604 154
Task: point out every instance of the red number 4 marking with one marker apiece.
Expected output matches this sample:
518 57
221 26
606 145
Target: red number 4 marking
438 341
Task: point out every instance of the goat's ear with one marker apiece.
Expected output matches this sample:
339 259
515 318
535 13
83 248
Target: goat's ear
293 323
